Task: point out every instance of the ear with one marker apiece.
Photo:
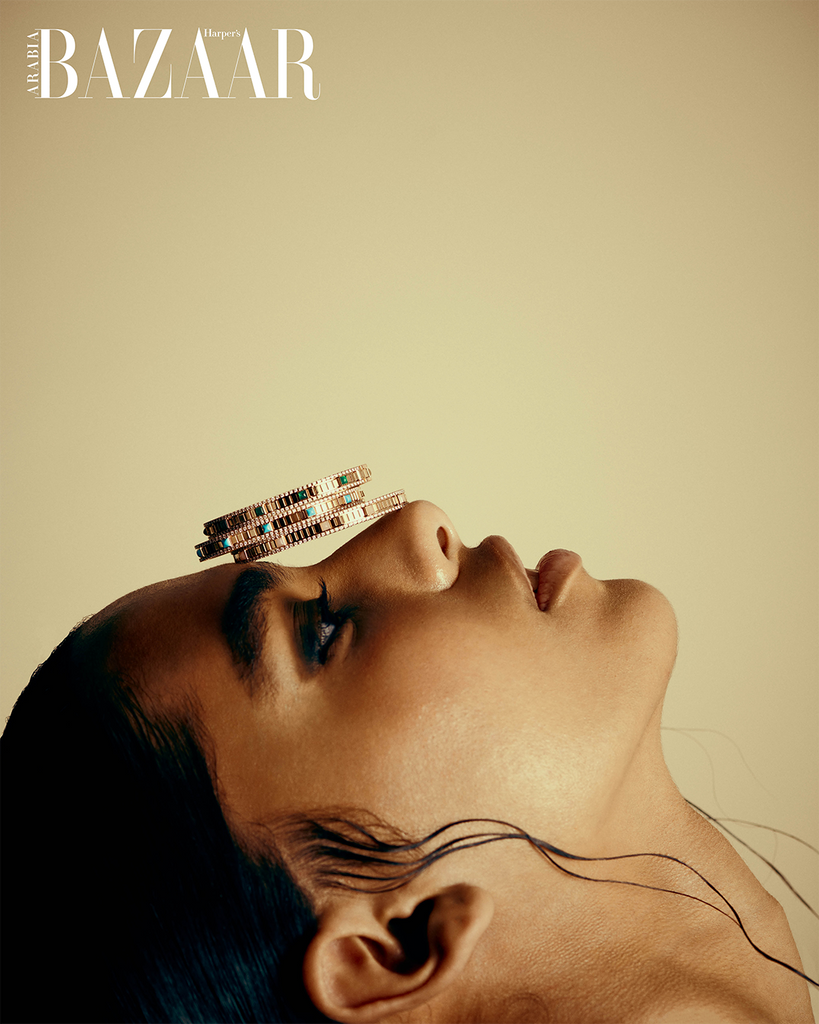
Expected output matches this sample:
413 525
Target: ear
378 955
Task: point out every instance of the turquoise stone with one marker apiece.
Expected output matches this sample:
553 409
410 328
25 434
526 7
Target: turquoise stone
348 498
267 528
311 511
226 542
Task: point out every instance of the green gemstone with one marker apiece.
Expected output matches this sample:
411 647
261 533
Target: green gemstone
342 479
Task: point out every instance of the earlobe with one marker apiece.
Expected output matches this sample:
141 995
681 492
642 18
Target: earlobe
370 959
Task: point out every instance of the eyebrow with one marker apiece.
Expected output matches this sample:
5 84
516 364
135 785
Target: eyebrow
243 622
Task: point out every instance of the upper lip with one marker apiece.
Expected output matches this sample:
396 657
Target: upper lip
513 560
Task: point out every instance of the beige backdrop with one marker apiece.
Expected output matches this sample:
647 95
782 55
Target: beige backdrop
550 265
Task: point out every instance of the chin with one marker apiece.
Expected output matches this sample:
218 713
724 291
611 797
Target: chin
644 617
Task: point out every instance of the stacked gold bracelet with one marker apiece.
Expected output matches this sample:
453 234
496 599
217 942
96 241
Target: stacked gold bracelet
293 517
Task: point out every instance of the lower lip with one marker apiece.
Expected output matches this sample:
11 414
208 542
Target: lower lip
554 571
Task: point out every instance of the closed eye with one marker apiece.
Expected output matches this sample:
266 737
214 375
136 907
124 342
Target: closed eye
319 626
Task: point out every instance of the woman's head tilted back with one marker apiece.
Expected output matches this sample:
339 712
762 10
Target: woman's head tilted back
408 675
160 764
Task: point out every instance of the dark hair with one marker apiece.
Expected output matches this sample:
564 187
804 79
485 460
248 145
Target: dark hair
126 896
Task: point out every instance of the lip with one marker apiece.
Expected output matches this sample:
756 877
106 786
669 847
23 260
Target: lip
555 571
547 584
528 577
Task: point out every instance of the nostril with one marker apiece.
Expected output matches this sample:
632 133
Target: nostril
443 539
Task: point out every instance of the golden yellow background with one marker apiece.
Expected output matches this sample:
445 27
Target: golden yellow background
550 264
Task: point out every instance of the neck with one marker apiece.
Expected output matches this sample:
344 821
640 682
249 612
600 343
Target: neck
596 951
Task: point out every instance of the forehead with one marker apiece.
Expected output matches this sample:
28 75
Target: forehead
194 591
158 628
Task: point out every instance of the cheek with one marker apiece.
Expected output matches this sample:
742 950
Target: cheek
444 720
489 721
426 730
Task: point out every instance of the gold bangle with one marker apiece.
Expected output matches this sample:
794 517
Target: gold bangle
276 525
369 509
293 517
335 484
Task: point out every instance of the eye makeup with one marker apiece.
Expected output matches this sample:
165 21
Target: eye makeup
319 625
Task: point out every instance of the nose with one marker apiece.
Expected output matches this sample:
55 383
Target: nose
414 550
428 545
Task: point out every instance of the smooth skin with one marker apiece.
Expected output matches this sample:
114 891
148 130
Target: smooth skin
449 694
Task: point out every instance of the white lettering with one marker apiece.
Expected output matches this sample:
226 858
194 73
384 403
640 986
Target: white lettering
283 62
204 65
71 74
252 67
148 74
110 70
39 56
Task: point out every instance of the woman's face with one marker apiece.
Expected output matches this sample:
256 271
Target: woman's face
432 682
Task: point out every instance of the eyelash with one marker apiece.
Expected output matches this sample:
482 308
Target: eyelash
321 625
